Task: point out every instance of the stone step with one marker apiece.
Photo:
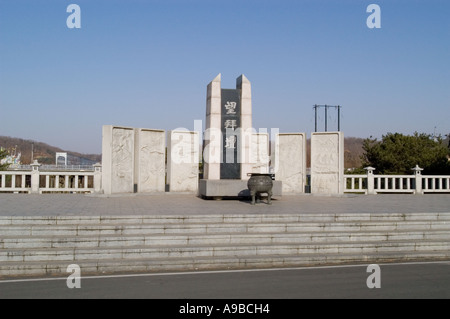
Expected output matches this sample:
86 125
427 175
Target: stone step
45 242
96 267
147 229
195 251
44 245
217 218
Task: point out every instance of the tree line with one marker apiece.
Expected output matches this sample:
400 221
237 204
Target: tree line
396 153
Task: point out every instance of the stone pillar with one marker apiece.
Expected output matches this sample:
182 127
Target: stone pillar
327 163
97 178
35 177
244 85
213 135
289 162
182 161
370 180
418 175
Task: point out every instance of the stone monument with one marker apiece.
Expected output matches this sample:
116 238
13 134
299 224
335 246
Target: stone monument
227 153
133 160
182 161
327 163
289 161
150 162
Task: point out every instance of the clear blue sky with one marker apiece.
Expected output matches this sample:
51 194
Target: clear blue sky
147 63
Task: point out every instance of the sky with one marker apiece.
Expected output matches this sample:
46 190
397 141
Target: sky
147 63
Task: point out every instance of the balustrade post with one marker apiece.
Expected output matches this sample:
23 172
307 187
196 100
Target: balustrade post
370 180
97 178
35 177
418 174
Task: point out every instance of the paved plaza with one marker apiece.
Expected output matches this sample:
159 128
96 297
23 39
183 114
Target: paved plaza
189 204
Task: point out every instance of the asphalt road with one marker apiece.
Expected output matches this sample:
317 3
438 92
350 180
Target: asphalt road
409 280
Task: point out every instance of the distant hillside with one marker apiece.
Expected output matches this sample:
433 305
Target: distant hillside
44 153
353 151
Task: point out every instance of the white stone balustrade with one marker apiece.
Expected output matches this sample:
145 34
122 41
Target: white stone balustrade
37 181
414 184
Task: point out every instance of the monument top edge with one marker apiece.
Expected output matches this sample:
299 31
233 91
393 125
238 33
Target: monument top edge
243 79
240 79
218 78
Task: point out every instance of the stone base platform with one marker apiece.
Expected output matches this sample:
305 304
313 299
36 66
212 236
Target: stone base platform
230 188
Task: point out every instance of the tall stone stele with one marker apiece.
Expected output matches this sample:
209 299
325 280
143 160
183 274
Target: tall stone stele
227 145
228 130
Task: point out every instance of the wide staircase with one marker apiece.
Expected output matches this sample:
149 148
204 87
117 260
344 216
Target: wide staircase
47 245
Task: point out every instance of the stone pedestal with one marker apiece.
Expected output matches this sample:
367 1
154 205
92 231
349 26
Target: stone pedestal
217 189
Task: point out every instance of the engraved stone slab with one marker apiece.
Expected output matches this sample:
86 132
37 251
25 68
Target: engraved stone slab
133 160
230 166
290 161
150 156
117 159
259 152
182 161
327 162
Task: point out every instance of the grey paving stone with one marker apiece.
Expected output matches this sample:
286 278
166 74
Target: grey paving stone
186 205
